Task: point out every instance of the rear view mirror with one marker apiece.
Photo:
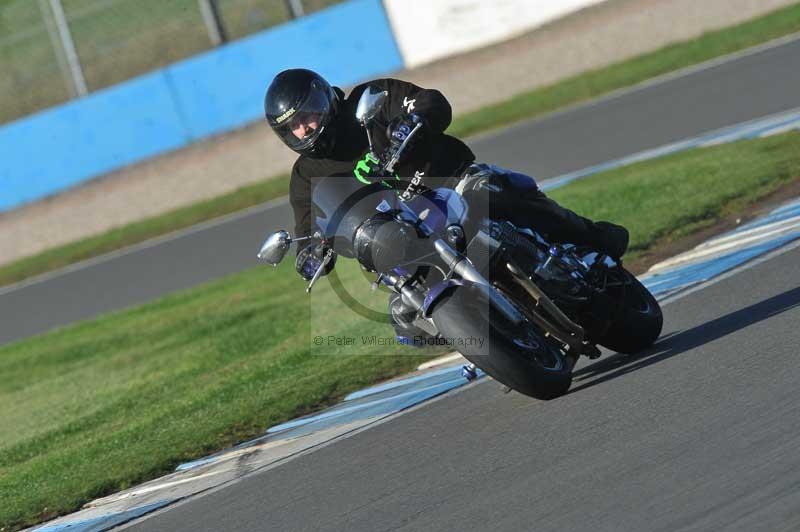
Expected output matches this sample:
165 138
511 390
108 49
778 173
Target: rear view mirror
275 247
369 104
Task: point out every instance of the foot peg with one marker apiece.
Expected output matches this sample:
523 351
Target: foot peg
469 372
591 351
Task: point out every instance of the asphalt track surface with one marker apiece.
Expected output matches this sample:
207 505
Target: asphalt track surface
745 88
698 433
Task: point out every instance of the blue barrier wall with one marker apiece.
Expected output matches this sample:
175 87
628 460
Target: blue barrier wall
205 95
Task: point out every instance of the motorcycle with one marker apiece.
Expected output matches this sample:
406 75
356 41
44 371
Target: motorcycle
457 274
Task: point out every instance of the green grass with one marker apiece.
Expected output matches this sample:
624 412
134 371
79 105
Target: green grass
668 198
99 406
95 408
579 88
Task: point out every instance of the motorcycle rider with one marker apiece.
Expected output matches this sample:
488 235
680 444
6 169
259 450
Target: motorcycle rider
318 122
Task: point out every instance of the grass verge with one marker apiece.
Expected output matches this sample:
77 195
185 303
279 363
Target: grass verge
527 105
667 199
99 406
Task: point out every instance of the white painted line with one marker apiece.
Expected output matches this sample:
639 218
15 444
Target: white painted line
234 453
707 252
441 361
762 233
741 237
150 489
779 130
737 235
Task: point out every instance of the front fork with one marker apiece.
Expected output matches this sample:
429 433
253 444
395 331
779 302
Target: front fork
458 264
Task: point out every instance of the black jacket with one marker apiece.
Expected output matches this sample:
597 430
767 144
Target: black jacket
438 157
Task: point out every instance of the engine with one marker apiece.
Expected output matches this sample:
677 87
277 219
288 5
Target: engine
557 268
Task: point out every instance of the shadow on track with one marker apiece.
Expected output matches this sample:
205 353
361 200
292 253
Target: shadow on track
680 342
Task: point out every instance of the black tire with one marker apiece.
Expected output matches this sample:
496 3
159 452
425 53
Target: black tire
514 355
638 323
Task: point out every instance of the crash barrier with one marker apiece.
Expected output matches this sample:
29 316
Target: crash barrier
208 94
426 31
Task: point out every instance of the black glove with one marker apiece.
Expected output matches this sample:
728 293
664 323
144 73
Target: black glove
309 259
400 128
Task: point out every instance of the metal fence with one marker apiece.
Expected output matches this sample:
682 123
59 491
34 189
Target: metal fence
54 50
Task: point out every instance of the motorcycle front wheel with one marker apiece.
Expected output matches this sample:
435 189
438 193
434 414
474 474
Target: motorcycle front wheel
638 321
518 356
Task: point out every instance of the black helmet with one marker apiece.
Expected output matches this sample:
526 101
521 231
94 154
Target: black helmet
300 106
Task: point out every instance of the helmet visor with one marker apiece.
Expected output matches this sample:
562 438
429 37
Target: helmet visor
299 127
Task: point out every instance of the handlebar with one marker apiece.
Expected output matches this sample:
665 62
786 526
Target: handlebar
389 168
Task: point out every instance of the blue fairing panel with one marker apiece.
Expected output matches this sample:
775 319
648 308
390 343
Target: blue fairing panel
439 208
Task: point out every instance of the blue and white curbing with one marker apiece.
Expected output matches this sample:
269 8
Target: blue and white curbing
281 442
364 408
726 252
104 521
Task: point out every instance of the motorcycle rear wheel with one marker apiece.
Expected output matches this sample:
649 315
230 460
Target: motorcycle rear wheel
518 356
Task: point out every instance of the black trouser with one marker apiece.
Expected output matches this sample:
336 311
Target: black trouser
504 195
